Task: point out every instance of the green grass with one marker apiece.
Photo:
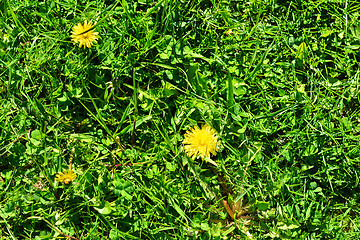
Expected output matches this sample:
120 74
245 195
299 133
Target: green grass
278 81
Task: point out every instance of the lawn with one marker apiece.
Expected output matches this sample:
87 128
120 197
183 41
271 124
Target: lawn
172 119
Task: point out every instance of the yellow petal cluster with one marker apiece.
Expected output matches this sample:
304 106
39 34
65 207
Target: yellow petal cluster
82 35
200 142
65 176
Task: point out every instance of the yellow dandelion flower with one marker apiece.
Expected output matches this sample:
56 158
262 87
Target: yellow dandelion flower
82 35
65 176
201 142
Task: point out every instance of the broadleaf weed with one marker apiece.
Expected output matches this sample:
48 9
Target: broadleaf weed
277 81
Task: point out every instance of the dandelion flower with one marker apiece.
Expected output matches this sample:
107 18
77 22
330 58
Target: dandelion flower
65 176
82 35
201 142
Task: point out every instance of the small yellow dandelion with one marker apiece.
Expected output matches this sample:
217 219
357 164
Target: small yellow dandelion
201 142
82 35
65 176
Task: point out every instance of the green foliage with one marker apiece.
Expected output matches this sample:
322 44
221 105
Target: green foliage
277 80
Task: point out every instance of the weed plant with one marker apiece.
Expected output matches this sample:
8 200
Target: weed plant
277 82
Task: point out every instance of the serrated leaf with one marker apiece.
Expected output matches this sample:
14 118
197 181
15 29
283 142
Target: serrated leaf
284 226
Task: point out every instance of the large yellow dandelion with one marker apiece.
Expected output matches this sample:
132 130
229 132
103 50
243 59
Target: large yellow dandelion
65 176
201 142
82 35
